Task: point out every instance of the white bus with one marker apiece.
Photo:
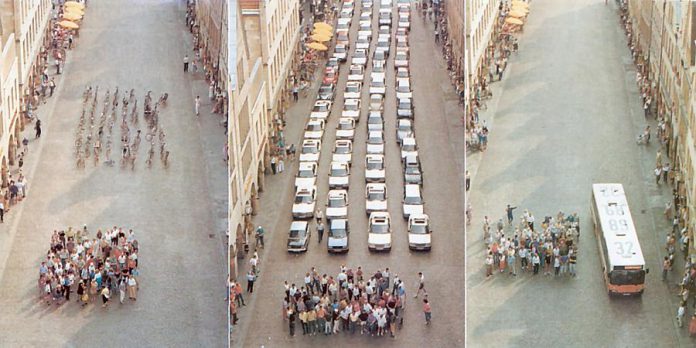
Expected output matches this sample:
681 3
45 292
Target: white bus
622 259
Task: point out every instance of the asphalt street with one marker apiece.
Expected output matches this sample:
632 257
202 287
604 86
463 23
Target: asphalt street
565 116
261 322
178 213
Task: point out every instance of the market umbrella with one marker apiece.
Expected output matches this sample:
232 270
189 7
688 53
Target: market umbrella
322 25
72 16
516 14
322 33
317 46
320 38
68 25
74 4
519 3
515 21
74 10
519 9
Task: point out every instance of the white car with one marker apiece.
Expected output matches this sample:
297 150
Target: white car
379 55
378 66
401 59
377 83
343 24
365 30
303 205
402 44
379 231
404 129
298 238
375 122
337 205
337 241
306 175
359 56
384 30
403 89
375 142
343 152
375 197
403 73
343 38
353 90
413 200
321 109
345 128
375 170
351 108
385 16
314 129
404 21
376 102
339 175
419 232
356 73
408 147
383 44
404 108
346 12
341 52
363 42
365 16
310 150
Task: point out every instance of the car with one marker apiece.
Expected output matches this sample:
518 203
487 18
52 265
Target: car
419 232
402 44
314 129
337 241
321 109
356 73
383 44
401 32
339 175
343 25
332 63
384 30
385 17
366 15
346 12
375 122
404 108
413 200
379 231
303 205
412 171
359 56
353 90
375 197
379 55
375 170
404 9
298 237
330 75
408 147
403 89
343 38
377 83
351 108
401 59
337 205
403 73
341 53
404 21
363 42
306 175
375 142
376 102
345 128
310 150
404 3
385 4
404 129
327 91
343 152
365 30
378 66
366 6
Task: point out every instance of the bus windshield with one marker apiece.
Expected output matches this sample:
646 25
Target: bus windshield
627 277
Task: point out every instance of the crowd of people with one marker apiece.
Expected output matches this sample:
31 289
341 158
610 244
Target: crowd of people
550 248
354 301
104 265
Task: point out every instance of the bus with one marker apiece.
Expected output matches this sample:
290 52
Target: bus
623 265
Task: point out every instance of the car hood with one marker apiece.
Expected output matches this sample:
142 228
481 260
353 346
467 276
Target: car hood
312 134
376 205
309 157
303 208
413 209
379 238
341 157
343 211
374 173
337 242
297 241
345 133
338 179
419 238
350 113
305 182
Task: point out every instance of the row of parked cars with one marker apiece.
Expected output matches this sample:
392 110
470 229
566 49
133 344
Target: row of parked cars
379 225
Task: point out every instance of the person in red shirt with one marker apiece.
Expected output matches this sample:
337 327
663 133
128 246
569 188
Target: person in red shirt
427 310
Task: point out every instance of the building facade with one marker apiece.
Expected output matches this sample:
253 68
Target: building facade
9 101
212 17
455 24
480 20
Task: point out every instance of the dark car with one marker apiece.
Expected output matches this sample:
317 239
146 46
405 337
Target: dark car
327 91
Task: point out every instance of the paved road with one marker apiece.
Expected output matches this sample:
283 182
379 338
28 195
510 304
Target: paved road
175 213
260 322
566 118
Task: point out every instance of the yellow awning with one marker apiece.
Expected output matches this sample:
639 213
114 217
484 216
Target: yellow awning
323 25
517 14
320 38
514 21
71 16
317 46
74 10
519 9
74 4
519 3
68 25
322 32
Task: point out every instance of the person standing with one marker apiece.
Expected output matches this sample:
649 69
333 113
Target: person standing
421 285
489 265
198 105
680 313
665 172
251 277
665 267
2 212
427 311
51 86
320 231
106 294
291 321
658 174
295 92
132 287
274 160
319 215
122 290
468 180
281 165
259 236
37 128
508 211
535 263
186 63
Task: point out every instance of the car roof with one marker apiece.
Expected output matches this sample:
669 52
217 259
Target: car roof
338 223
412 190
335 193
298 225
405 100
307 165
376 95
377 186
375 157
420 219
403 120
310 142
377 75
379 214
344 142
352 101
336 164
375 133
408 140
374 113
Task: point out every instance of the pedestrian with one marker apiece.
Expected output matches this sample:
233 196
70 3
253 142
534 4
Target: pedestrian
251 277
319 215
274 161
658 174
132 287
291 321
468 180
106 294
303 321
665 268
259 236
437 36
427 311
508 211
489 265
665 172
121 290
658 158
281 165
238 291
51 86
320 231
295 92
211 92
37 128
186 63
680 313
535 263
692 326
312 321
421 285
511 261
198 105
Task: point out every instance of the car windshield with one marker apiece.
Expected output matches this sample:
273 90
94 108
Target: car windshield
412 200
340 49
345 126
379 228
359 54
382 44
320 108
325 90
305 173
404 105
403 88
342 149
351 107
408 147
303 198
375 139
362 40
420 229
401 57
401 43
404 127
402 73
313 127
353 88
297 234
377 83
374 120
310 149
337 202
375 196
412 170
338 233
375 165
339 172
